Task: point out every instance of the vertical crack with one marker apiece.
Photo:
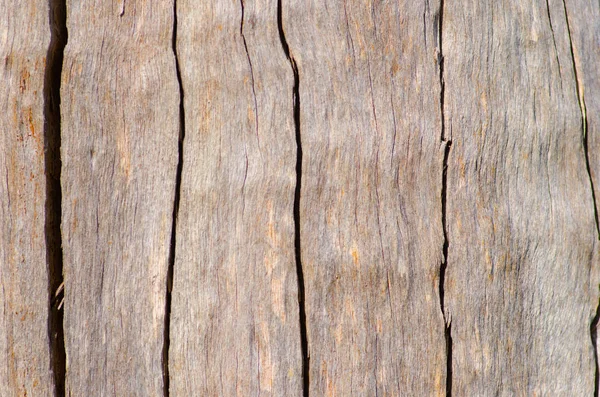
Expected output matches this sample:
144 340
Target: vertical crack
554 42
444 265
176 200
251 71
52 160
584 129
299 271
438 19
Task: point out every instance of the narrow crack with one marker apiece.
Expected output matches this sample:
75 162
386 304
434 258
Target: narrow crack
299 271
584 125
52 160
176 200
554 42
584 122
438 19
251 72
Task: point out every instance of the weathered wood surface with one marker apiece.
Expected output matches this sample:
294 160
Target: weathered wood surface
371 209
522 285
24 310
584 33
447 240
120 131
235 325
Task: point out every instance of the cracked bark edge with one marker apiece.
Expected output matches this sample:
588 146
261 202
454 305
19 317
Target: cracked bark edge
297 242
438 20
53 208
176 200
584 125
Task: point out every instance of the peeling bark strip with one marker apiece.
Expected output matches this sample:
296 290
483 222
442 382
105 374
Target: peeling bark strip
235 326
120 132
26 249
52 140
521 283
372 237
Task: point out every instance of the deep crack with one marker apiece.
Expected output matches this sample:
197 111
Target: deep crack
594 334
176 200
299 271
444 265
52 160
438 20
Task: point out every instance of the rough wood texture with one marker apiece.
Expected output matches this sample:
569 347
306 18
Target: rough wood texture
24 342
120 108
370 197
371 231
584 33
522 283
235 327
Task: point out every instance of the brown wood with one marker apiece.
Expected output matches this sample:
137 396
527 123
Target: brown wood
370 215
24 341
234 326
522 283
120 130
353 198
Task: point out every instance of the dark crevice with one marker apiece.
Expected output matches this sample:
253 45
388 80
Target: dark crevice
251 71
176 200
52 160
594 334
438 19
299 271
444 265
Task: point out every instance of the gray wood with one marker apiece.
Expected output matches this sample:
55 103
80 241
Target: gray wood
120 131
522 283
24 342
371 231
584 29
234 325
584 33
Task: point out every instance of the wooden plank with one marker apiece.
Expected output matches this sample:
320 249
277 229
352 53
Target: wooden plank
24 342
521 279
370 210
120 108
235 322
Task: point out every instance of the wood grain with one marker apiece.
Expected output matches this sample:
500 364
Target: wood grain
24 342
235 327
584 35
522 283
370 210
120 108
